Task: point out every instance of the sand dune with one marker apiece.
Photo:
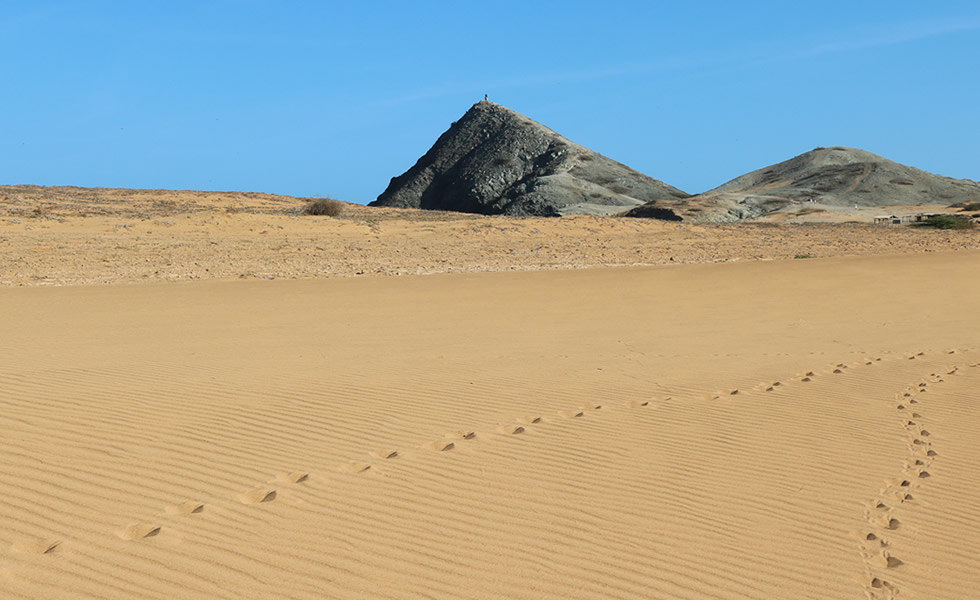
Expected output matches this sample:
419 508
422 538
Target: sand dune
784 429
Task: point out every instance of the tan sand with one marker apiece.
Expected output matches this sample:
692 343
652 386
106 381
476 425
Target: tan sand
782 429
72 236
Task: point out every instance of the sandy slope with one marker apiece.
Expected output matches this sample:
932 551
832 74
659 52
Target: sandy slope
603 433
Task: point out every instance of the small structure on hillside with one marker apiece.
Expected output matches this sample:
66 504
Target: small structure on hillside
904 219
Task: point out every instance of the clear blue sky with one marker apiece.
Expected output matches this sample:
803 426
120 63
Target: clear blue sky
334 98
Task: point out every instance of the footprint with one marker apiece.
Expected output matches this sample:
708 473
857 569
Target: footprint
837 371
186 508
931 453
464 434
886 560
530 420
45 546
510 429
925 433
355 467
293 477
892 524
805 379
591 406
440 446
638 403
138 532
386 454
924 474
572 414
257 496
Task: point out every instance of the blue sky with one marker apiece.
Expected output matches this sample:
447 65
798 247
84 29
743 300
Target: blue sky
334 98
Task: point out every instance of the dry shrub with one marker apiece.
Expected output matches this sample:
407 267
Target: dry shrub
324 207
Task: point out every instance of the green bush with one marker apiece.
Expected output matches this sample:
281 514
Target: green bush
945 222
970 206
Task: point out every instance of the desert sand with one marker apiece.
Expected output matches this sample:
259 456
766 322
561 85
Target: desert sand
82 236
738 424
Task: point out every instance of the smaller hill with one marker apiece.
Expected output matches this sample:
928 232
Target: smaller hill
497 161
834 177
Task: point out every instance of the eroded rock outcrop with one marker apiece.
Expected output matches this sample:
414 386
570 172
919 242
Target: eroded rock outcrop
497 161
825 176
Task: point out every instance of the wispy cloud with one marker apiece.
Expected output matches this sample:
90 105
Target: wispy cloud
893 36
767 52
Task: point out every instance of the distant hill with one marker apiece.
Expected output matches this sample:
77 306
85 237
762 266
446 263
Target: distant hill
829 176
497 161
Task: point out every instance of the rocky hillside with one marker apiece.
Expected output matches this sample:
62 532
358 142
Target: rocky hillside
497 161
828 177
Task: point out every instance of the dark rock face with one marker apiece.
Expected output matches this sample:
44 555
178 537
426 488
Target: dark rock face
496 161
825 176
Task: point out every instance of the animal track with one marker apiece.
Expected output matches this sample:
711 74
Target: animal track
138 532
257 496
510 429
877 552
355 467
881 515
45 546
291 477
441 446
186 508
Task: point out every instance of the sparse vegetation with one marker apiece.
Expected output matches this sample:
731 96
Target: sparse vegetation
324 207
970 206
804 256
946 222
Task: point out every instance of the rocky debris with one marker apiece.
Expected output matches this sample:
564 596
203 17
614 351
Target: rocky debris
822 177
497 161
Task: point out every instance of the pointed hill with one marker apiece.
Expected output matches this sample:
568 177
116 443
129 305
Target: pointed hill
497 161
837 176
